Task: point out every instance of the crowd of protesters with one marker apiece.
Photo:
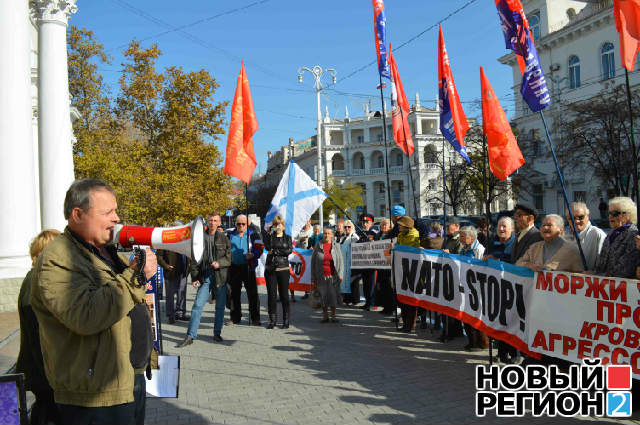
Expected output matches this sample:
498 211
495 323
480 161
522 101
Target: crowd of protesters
82 292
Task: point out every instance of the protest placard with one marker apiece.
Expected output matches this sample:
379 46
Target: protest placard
371 255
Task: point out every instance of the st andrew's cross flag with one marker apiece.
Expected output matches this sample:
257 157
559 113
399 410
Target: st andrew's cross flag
295 200
400 105
519 39
380 34
504 154
453 121
627 16
240 161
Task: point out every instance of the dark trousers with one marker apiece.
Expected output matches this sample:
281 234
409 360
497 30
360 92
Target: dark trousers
44 410
239 276
368 286
278 282
507 352
140 397
176 287
385 290
121 414
354 296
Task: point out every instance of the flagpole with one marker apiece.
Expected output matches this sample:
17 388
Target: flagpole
358 228
246 201
564 191
633 142
386 150
406 147
485 191
444 199
386 167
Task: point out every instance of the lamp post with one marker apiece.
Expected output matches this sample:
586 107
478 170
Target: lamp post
317 72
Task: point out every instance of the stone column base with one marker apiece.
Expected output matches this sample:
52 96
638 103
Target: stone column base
9 290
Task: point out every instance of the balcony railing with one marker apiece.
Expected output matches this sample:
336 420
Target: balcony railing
358 172
339 173
398 169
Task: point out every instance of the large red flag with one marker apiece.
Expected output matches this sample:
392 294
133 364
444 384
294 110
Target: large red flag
627 16
504 154
400 105
241 160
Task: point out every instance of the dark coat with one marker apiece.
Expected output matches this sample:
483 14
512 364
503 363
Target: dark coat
170 258
279 249
620 257
520 247
453 243
216 248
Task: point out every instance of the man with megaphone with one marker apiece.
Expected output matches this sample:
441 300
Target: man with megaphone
95 330
211 272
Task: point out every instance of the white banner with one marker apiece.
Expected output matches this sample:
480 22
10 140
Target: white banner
490 296
371 255
578 316
299 269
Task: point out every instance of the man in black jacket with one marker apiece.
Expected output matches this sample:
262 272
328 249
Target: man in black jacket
528 234
175 269
368 275
211 272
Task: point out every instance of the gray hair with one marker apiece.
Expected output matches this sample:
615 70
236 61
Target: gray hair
508 220
626 205
558 219
242 216
79 194
470 231
578 206
328 228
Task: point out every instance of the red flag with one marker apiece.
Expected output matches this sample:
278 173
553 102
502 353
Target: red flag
627 16
453 121
504 154
241 160
400 105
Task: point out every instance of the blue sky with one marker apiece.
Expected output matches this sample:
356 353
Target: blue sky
276 37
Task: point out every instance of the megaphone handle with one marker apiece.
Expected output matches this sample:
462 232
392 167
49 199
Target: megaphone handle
141 260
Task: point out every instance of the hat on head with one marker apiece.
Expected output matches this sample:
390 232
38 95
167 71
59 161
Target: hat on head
526 208
452 220
405 221
397 211
366 217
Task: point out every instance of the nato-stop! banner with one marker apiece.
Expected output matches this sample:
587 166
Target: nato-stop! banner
490 296
577 316
299 269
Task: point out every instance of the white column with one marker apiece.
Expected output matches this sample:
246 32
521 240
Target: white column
54 130
18 207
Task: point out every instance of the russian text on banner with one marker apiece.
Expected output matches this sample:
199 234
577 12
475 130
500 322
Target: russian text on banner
299 269
490 296
573 316
371 255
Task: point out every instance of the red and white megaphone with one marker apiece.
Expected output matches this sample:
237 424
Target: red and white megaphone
187 239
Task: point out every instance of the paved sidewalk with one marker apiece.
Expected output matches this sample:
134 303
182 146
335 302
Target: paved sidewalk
360 371
9 340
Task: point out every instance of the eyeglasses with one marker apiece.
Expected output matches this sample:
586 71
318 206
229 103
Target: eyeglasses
241 224
615 213
579 217
347 227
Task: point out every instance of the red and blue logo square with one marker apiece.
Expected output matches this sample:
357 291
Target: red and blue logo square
619 400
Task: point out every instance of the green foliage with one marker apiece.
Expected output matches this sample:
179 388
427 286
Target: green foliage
347 195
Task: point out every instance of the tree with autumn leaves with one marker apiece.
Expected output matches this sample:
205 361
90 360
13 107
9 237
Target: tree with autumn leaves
152 141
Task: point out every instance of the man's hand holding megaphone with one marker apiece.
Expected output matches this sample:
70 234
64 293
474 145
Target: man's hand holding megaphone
150 265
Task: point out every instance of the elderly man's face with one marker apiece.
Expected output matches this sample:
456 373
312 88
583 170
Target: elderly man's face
452 229
340 226
213 222
523 219
96 224
366 224
550 229
505 229
317 230
581 217
241 225
327 236
384 227
467 239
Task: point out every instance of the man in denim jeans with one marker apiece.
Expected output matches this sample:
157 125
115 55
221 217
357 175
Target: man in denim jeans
212 272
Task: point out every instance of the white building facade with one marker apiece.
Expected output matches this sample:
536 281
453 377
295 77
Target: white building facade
579 50
36 136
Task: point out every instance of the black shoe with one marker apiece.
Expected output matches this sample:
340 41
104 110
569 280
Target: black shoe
324 320
183 318
333 320
285 325
305 296
187 341
171 320
217 338
230 323
256 323
293 298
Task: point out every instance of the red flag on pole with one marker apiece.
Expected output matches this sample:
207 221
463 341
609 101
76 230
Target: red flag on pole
627 17
241 160
504 154
400 108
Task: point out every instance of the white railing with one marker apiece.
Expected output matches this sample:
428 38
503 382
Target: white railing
375 171
431 166
339 173
398 169
357 172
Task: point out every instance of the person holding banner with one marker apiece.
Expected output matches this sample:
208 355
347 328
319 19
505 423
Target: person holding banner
327 271
553 252
409 236
619 256
453 244
354 296
471 247
383 280
502 243
368 275
591 237
279 246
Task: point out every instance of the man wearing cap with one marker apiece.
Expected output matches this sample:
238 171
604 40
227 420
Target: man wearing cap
368 275
453 244
398 211
528 234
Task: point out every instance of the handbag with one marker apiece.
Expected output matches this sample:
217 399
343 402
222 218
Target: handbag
314 298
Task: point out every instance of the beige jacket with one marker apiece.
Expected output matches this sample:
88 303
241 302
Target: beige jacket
566 259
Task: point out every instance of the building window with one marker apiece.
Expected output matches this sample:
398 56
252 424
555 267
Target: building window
360 139
607 60
380 161
435 207
433 184
381 189
579 196
538 196
534 25
383 210
574 72
399 160
430 154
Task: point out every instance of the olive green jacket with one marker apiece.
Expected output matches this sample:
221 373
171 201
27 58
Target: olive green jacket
85 333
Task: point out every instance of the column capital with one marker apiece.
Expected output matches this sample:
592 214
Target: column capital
55 11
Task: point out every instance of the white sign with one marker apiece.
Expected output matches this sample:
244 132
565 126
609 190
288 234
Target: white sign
371 255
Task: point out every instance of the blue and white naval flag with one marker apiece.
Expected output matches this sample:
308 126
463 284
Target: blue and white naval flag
297 197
